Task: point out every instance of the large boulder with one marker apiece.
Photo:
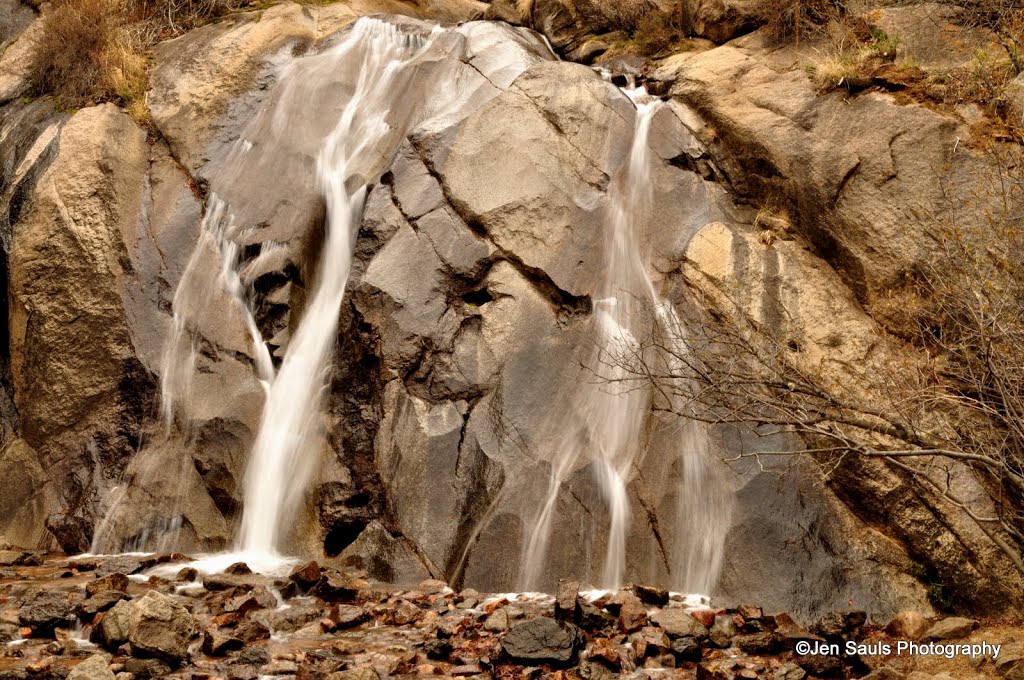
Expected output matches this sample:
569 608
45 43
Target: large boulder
160 626
46 610
543 640
95 667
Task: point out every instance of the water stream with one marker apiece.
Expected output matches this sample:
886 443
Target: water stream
352 144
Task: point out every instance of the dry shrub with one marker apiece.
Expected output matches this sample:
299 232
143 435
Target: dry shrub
83 56
601 16
787 20
92 51
655 32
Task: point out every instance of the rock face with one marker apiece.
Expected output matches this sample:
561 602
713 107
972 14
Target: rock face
469 310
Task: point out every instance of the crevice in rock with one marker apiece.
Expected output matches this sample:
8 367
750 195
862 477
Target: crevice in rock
565 304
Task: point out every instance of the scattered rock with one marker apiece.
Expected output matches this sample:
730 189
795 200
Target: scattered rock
678 623
219 643
543 640
45 610
305 575
632 613
952 628
143 669
346 615
238 569
112 630
566 597
686 649
115 581
651 595
839 626
909 625
758 643
160 626
95 667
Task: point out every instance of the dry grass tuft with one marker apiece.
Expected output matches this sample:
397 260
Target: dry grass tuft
92 51
788 20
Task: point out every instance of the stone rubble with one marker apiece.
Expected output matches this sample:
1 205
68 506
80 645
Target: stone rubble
77 619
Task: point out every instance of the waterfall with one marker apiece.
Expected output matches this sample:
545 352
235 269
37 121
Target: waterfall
611 407
283 456
338 117
331 126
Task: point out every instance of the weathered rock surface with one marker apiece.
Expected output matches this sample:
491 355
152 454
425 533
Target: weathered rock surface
160 626
93 668
542 640
469 305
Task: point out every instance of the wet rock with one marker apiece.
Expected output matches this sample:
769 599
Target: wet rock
305 575
102 602
44 611
952 628
280 667
124 564
142 669
187 575
115 581
337 587
238 569
251 631
256 655
438 649
543 640
347 615
218 643
160 626
402 614
95 667
565 600
678 623
750 611
910 625
651 595
591 617
112 630
706 617
632 613
650 642
498 620
821 665
758 643
686 649
257 598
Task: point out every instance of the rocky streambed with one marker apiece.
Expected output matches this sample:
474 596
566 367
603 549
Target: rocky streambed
154 616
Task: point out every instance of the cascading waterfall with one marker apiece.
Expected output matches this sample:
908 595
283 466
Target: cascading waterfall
406 73
350 138
610 409
280 463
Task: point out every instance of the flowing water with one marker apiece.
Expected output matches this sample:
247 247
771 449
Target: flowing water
401 74
611 408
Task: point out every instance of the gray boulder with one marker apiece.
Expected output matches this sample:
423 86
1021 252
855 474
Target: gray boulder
96 667
160 626
543 640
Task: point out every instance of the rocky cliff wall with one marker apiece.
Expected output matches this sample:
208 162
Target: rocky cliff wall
468 310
